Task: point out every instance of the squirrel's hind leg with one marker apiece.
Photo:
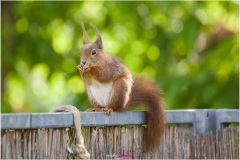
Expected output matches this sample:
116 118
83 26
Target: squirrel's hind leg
94 109
108 110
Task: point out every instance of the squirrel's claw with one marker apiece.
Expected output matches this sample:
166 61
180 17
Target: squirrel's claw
78 67
107 110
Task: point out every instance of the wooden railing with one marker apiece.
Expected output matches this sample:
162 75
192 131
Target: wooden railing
191 134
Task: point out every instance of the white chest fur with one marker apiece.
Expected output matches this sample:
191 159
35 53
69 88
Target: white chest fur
100 92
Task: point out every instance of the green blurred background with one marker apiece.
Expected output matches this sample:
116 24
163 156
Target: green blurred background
189 48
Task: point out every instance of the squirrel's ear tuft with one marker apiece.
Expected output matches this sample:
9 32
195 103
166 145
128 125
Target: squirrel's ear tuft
85 36
99 39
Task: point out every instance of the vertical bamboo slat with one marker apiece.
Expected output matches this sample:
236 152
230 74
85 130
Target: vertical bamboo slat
3 144
19 145
9 145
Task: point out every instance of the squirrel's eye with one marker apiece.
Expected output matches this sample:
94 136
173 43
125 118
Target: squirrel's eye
94 52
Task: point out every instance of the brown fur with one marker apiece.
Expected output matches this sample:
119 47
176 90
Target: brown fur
126 91
147 93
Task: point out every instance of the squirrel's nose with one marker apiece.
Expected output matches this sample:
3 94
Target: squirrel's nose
83 62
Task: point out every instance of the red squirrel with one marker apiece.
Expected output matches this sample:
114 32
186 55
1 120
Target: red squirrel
111 87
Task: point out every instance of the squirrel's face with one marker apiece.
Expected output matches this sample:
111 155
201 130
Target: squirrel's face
91 53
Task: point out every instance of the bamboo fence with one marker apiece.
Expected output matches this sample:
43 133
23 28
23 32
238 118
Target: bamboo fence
118 142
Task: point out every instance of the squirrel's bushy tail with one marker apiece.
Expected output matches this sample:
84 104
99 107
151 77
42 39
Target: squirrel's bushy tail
150 95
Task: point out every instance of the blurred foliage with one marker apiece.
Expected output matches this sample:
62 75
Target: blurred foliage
189 48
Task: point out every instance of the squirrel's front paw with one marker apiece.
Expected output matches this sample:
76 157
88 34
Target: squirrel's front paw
83 68
80 68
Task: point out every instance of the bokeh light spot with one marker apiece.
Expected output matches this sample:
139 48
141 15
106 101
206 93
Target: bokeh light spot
69 65
76 85
150 72
22 25
62 36
153 53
